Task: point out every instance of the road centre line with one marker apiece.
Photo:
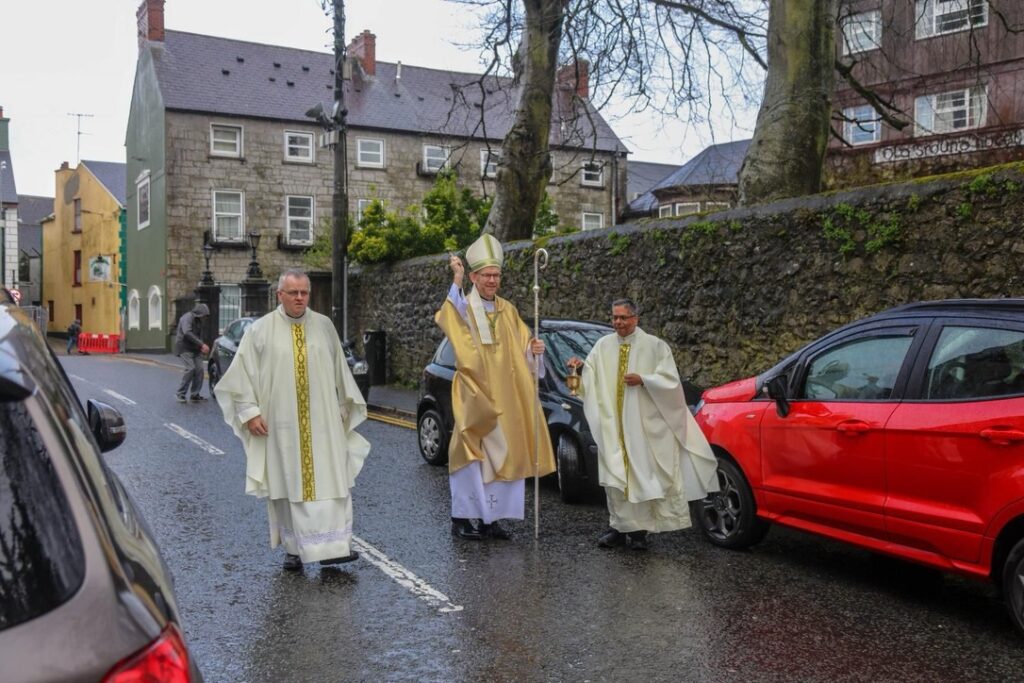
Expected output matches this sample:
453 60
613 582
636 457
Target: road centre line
189 436
119 397
405 578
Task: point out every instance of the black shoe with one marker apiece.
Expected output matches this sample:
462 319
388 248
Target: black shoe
351 557
637 540
611 539
198 397
466 528
292 563
496 530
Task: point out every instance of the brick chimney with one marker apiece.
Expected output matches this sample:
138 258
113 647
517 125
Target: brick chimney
575 76
151 21
364 48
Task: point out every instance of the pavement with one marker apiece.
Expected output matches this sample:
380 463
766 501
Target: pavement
391 402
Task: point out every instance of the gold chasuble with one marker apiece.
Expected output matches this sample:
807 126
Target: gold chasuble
493 398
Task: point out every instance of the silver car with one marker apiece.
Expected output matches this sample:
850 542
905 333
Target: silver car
84 593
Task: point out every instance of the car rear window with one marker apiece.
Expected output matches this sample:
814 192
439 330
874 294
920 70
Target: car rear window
42 563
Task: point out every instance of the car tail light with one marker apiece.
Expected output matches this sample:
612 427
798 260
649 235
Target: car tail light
165 660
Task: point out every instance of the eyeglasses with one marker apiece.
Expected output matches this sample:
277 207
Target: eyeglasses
295 293
489 276
623 317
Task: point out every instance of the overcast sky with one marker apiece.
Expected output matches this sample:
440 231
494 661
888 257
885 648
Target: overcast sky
61 57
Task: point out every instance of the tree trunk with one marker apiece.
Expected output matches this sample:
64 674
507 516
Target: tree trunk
525 165
787 152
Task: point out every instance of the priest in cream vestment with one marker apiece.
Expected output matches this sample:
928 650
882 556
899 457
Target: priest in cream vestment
652 457
290 397
494 402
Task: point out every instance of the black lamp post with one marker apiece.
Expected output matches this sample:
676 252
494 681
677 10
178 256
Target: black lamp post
207 279
254 272
254 286
208 292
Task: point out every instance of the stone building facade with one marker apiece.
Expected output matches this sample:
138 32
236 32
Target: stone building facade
222 142
952 72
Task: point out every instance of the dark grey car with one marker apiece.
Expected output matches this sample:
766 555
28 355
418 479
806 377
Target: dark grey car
84 593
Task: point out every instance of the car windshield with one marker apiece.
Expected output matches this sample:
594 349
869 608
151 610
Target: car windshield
41 558
565 343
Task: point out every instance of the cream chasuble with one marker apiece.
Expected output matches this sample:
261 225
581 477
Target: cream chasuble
293 372
652 456
493 399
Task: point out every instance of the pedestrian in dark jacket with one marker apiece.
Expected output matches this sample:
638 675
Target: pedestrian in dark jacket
74 329
190 347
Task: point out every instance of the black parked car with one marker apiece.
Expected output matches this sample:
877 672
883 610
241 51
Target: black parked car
575 451
226 345
84 593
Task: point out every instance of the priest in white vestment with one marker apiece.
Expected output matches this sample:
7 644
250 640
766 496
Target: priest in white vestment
290 397
652 457
494 402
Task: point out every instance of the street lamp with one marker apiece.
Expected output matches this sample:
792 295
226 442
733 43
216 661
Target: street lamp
254 272
207 279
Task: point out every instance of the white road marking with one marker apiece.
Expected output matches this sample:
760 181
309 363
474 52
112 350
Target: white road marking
206 446
405 578
119 397
80 379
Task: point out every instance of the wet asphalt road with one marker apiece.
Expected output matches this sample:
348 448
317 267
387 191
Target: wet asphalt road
422 606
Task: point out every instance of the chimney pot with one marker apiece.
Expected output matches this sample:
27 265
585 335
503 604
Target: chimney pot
64 166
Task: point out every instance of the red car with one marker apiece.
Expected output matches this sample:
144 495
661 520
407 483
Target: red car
902 433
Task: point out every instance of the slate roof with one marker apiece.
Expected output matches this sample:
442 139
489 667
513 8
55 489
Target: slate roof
641 176
236 78
31 212
8 189
715 165
113 175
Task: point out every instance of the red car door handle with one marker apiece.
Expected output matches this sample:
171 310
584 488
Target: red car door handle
853 427
1003 437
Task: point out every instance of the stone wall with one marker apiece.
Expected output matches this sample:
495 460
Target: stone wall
735 291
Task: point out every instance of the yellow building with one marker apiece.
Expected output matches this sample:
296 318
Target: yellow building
83 261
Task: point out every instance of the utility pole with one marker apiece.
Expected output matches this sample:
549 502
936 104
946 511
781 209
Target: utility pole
79 134
339 250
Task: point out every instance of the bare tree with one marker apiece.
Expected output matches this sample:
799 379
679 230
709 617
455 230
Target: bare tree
786 155
662 55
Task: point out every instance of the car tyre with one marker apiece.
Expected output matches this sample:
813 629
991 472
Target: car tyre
571 479
728 518
213 370
1013 585
432 437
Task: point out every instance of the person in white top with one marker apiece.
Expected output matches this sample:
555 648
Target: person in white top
652 456
290 397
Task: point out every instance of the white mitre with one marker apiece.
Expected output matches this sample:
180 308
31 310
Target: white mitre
486 251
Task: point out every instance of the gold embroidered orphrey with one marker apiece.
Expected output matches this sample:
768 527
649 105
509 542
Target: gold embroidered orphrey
620 395
302 399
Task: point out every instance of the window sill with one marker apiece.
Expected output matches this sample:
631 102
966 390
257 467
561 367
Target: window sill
237 246
299 162
285 245
371 167
227 157
595 186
